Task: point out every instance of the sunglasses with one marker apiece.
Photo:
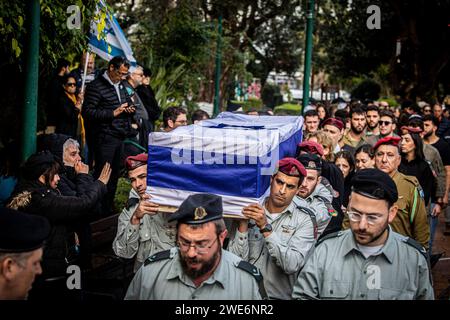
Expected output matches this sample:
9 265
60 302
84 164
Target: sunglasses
71 84
426 110
384 123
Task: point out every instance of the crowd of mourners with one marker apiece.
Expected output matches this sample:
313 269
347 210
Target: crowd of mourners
363 191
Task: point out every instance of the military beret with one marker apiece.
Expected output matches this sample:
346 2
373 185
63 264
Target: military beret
37 164
310 147
393 141
198 209
409 129
333 122
133 162
22 232
310 161
291 167
375 184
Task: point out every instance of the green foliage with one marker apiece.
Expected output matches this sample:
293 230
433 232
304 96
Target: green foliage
271 95
367 89
288 109
250 104
122 194
392 102
165 86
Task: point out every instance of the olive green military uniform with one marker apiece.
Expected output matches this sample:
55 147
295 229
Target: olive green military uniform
338 270
162 278
411 219
348 140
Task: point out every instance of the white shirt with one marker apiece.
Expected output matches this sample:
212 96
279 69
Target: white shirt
369 251
116 85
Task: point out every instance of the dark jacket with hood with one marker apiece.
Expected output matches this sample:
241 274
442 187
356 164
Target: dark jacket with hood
62 212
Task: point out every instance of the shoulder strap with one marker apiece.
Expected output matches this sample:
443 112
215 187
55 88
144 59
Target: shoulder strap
254 271
312 215
413 243
163 255
132 202
329 236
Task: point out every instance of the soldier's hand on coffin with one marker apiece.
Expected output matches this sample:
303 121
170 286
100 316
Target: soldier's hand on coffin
145 207
256 212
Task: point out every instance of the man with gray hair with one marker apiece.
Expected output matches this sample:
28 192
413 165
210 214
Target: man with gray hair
141 117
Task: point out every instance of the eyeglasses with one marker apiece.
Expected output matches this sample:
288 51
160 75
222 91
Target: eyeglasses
357 217
199 248
181 121
384 123
71 84
123 74
426 110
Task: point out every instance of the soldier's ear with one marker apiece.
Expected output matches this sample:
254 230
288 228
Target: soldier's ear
392 213
222 237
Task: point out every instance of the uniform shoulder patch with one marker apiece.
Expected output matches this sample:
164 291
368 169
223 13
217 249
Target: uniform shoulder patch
330 236
254 271
163 255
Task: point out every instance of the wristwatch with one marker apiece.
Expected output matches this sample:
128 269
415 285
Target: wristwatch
267 228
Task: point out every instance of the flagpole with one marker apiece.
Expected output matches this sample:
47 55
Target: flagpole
85 71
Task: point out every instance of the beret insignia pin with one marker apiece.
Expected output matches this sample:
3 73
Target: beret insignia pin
199 213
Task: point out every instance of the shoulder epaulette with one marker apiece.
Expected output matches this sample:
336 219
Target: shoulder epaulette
312 215
131 202
254 271
413 243
163 255
329 236
412 179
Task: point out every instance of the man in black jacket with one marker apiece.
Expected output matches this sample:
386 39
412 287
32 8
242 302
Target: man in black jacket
108 111
148 97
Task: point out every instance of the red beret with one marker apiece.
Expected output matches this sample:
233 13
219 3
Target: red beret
333 122
393 141
133 162
311 147
292 167
411 129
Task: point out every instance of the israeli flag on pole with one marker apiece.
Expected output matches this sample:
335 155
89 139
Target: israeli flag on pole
113 43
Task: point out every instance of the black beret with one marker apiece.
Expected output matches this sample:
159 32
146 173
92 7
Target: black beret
310 161
37 164
22 232
199 208
375 184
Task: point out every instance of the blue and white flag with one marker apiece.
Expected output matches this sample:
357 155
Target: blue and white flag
111 41
233 156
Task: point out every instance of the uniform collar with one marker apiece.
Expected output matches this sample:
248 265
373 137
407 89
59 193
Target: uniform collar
219 275
288 210
388 249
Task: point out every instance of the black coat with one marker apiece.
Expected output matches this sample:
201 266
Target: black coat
67 120
100 101
62 212
151 105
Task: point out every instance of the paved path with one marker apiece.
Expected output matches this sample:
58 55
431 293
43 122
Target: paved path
441 271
